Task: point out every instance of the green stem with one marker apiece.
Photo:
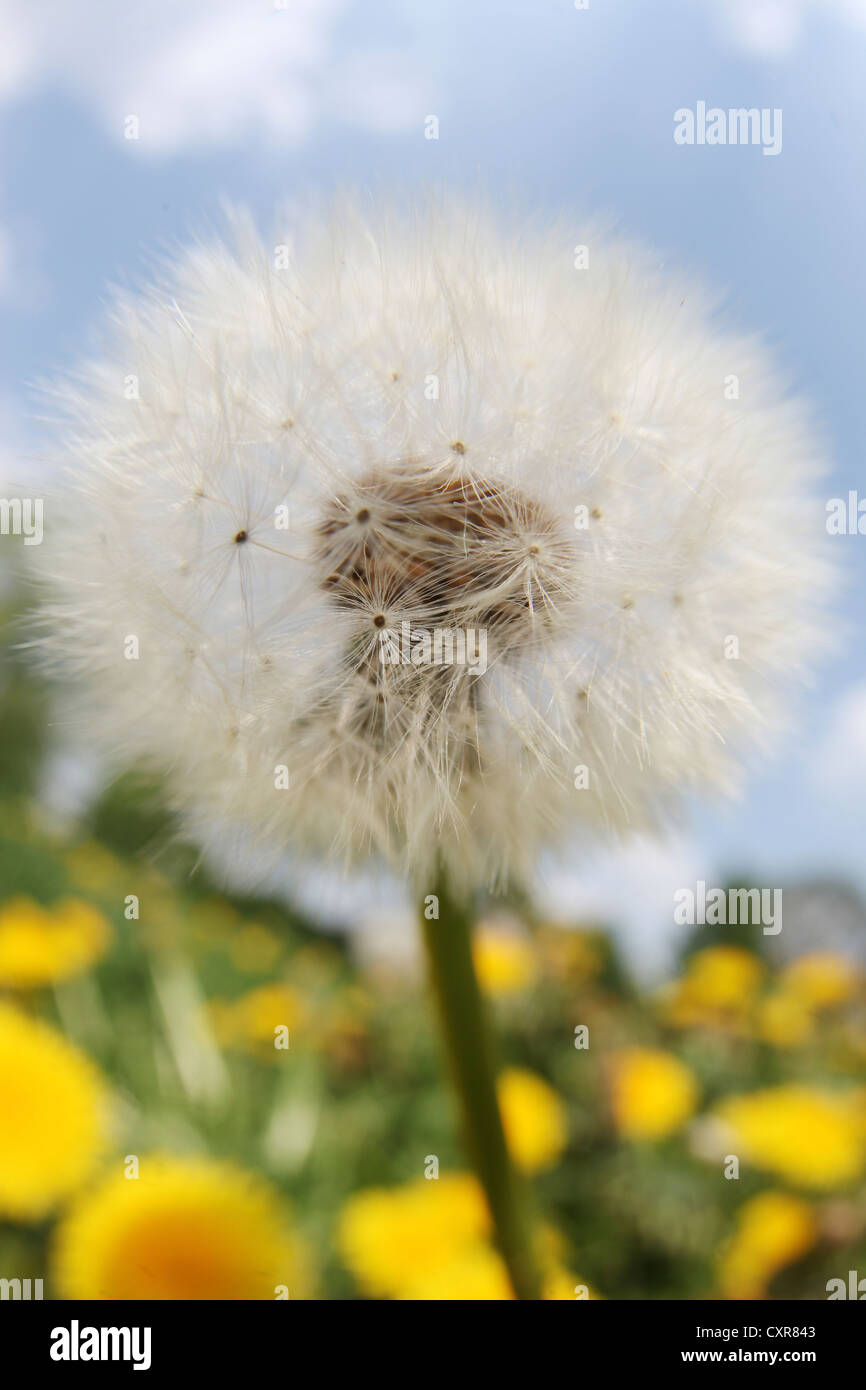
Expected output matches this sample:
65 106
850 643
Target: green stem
469 1049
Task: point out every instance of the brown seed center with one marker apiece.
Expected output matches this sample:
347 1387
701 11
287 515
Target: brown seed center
444 550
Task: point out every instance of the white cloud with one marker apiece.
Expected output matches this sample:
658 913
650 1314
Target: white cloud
775 28
770 27
205 72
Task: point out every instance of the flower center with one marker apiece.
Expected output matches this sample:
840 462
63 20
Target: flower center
445 550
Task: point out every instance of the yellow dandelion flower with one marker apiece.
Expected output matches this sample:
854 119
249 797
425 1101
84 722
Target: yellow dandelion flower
95 869
43 946
318 967
391 1238
477 1273
474 1273
570 954
255 949
533 1117
255 1021
823 979
721 976
652 1092
212 920
773 1230
504 959
343 1032
52 1104
717 989
812 1138
430 1240
785 1019
185 1228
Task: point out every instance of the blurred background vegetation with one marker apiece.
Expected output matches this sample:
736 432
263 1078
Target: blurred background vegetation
205 1096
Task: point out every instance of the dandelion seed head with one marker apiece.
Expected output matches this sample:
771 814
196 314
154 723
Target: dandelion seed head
425 420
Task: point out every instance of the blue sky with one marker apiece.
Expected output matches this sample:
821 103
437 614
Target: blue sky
543 105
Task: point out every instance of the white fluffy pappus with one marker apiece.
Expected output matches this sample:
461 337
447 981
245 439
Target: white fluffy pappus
287 451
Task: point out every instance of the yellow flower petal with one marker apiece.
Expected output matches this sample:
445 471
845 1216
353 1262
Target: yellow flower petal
773 1230
504 959
652 1092
716 990
253 1022
785 1019
42 946
533 1117
812 1138
823 979
478 1274
52 1116
391 1238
